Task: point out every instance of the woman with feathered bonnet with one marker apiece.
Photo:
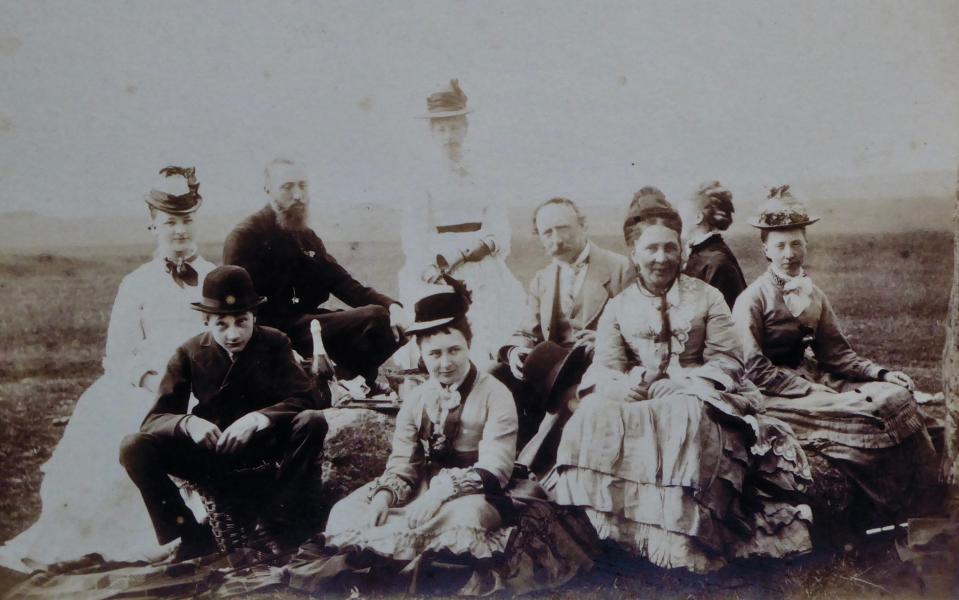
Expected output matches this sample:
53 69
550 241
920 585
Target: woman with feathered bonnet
89 505
457 229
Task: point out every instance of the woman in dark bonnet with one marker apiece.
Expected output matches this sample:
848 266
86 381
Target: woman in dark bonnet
448 487
89 503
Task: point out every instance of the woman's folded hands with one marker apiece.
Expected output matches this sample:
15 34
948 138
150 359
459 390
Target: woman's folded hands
623 390
423 508
664 387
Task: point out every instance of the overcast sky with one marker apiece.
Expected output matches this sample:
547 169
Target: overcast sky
591 101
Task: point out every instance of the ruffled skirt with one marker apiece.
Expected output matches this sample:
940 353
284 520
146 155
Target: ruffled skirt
683 482
523 544
873 433
465 525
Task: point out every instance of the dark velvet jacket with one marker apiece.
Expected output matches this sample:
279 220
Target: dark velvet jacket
713 262
293 270
264 378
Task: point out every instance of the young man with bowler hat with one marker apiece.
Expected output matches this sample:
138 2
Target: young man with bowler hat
254 404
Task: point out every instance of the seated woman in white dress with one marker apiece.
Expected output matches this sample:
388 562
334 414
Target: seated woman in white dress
89 504
861 416
667 451
455 229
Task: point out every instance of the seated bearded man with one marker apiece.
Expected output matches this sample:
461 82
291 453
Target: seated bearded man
291 267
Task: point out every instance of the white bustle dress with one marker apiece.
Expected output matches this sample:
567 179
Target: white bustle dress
445 227
89 504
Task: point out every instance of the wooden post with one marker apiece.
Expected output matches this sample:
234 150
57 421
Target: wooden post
950 374
932 545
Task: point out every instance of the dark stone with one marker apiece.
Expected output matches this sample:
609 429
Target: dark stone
832 497
355 451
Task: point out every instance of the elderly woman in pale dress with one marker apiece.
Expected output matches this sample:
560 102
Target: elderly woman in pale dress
455 229
89 504
667 451
860 415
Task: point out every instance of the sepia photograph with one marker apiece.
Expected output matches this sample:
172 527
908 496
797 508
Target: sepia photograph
566 300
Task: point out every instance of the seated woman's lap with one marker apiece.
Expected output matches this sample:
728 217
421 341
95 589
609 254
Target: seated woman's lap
471 511
660 440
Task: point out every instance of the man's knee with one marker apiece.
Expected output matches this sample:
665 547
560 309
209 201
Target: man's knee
310 422
374 315
135 451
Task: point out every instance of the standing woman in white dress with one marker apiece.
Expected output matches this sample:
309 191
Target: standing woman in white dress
455 229
89 504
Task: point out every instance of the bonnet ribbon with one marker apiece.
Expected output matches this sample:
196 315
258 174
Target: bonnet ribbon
182 271
797 292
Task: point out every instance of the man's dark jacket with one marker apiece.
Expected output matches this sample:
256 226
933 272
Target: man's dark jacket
293 270
264 378
712 261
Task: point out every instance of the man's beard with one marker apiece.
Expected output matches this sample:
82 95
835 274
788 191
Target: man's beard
294 218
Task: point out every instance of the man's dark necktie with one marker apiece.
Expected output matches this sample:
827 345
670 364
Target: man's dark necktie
556 315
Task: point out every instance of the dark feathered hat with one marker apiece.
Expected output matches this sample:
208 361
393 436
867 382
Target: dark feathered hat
447 103
178 193
441 306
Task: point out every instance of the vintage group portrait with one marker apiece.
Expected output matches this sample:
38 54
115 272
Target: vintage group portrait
433 299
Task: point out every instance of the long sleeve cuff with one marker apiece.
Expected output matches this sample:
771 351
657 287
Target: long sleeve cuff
453 483
399 489
180 426
721 380
786 385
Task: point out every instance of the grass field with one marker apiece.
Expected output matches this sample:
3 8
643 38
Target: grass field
890 291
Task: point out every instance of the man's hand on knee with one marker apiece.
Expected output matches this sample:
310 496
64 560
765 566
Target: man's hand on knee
238 434
202 432
399 321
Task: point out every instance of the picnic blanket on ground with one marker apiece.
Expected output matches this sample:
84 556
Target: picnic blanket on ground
545 536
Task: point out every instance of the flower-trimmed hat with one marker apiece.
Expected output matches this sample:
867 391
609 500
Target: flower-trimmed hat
443 305
228 290
176 196
782 210
447 103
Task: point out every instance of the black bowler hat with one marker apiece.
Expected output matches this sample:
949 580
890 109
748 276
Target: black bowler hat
228 290
551 368
442 306
177 197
